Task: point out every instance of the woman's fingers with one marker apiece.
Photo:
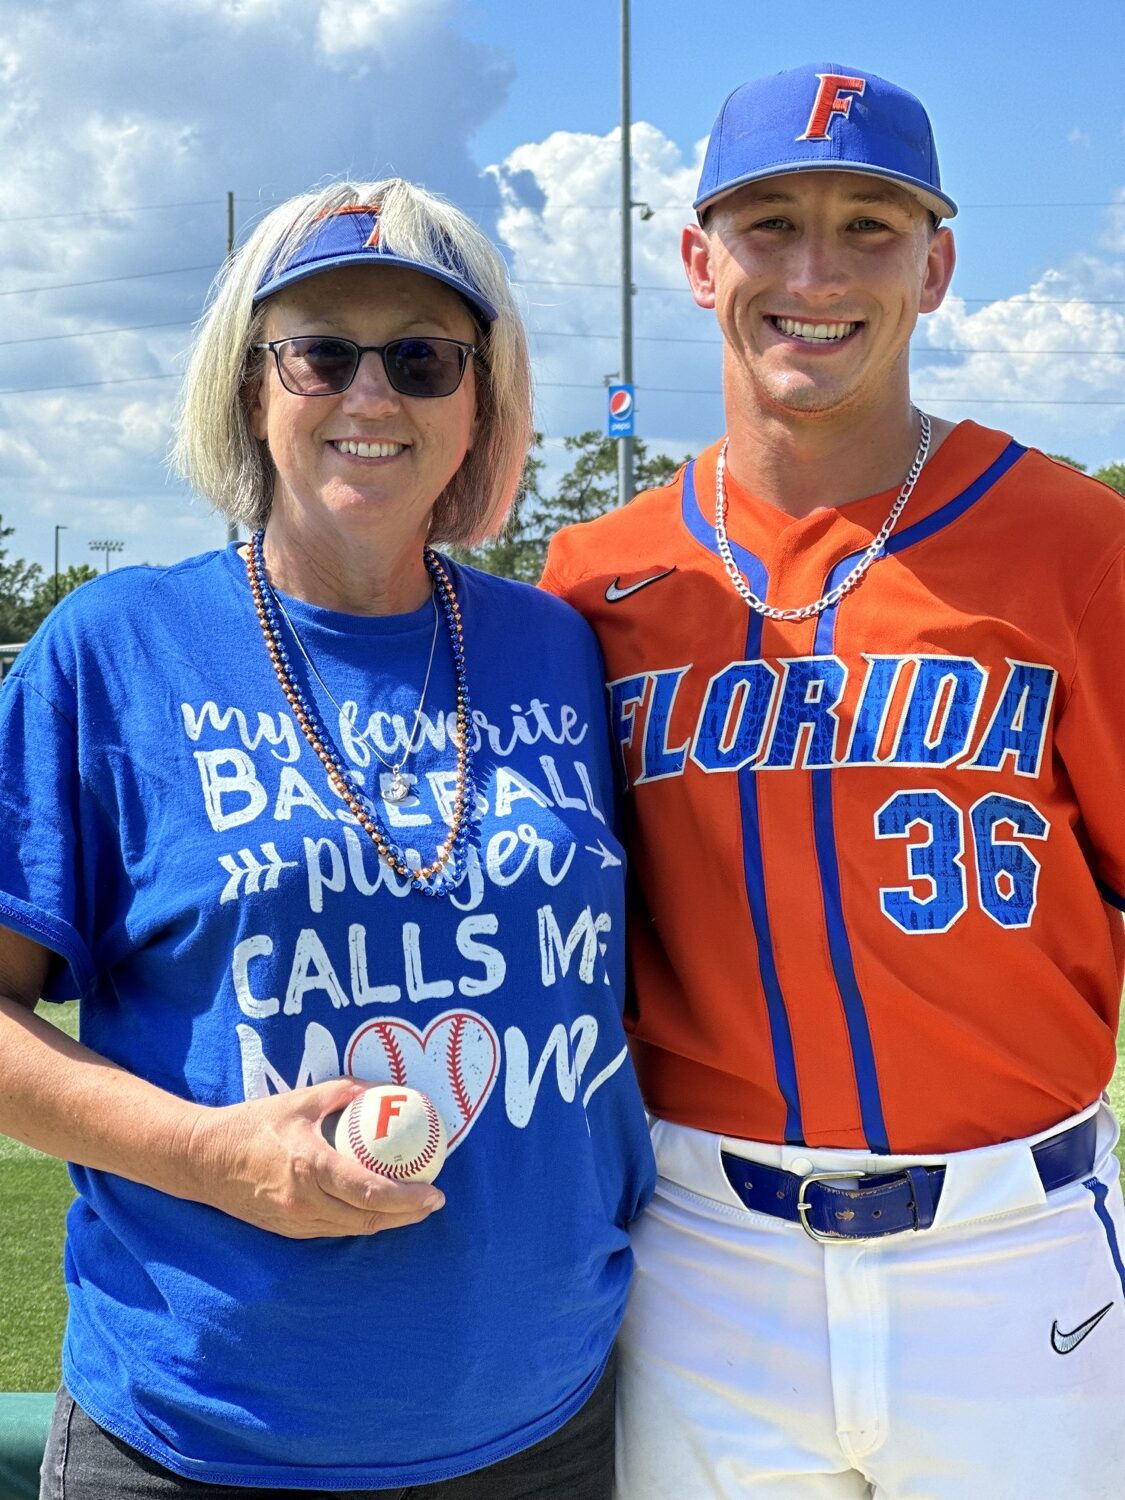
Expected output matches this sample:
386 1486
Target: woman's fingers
268 1162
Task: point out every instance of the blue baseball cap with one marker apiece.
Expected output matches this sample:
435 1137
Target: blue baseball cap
823 118
349 236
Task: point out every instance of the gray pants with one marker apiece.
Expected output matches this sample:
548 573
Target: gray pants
84 1462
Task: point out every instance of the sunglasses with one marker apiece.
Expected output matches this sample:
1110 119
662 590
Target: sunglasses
319 366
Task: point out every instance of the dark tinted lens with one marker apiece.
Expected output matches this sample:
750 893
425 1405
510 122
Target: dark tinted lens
424 367
317 366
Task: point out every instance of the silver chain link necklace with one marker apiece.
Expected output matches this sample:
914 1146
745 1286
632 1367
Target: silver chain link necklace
833 596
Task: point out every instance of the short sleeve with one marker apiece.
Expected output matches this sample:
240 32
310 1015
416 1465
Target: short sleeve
47 875
556 579
1091 732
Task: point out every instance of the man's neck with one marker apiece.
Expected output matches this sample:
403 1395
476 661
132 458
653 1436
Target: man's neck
802 466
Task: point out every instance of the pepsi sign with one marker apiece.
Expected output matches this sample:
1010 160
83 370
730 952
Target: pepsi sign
621 408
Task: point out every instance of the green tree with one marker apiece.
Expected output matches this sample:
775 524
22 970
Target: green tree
54 587
587 489
516 552
27 596
1064 458
17 580
1113 475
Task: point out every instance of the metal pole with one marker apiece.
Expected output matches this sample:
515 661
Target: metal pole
57 530
232 528
625 445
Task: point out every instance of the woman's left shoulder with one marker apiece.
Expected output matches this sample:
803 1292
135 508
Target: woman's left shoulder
520 605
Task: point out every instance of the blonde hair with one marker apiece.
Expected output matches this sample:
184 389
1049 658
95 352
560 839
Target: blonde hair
214 448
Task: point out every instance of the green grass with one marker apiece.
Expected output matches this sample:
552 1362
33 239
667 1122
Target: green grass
34 1194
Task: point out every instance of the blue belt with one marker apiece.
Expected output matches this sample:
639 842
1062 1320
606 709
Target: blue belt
877 1204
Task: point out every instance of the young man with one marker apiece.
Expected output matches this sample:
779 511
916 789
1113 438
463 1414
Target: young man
865 678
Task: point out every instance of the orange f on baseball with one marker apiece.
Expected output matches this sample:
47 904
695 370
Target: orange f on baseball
393 1130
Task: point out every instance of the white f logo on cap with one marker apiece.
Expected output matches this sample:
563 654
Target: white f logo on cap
833 97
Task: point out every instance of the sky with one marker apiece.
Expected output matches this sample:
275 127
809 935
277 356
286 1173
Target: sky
124 127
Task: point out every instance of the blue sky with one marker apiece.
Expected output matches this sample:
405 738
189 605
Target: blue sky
122 128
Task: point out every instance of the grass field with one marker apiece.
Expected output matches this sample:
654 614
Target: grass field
34 1193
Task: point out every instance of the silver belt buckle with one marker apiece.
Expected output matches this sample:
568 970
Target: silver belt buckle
804 1208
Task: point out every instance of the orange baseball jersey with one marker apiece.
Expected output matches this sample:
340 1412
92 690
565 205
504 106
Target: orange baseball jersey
877 855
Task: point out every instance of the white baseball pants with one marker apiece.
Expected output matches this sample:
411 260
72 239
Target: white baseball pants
962 1362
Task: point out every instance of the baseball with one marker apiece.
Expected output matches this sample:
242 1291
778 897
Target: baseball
395 1131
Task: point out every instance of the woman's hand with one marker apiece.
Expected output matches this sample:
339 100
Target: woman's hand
268 1162
265 1161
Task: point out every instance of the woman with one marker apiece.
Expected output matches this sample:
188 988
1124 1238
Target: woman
328 807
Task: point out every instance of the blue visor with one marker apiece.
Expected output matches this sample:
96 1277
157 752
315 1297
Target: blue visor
350 237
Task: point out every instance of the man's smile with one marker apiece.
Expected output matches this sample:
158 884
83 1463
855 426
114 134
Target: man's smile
815 333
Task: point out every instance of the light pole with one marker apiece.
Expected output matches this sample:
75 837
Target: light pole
57 530
625 444
107 547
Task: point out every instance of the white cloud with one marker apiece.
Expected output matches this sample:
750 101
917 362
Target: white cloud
561 224
1057 342
118 144
346 29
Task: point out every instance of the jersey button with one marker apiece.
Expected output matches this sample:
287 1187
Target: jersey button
801 1166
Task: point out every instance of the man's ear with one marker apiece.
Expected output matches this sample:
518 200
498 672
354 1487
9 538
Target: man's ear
940 261
695 250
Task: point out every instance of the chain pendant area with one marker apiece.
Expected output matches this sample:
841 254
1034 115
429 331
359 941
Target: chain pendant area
398 788
450 859
871 553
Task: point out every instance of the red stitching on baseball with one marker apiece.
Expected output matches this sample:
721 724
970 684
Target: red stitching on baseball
356 1142
397 1171
433 1131
453 1067
394 1051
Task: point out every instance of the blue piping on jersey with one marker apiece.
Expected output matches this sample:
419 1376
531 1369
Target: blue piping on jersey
1107 893
784 1060
839 946
1100 1191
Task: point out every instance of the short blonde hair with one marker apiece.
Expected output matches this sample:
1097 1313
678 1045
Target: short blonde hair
214 448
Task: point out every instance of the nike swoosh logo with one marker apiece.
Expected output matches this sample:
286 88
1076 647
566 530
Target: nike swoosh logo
1063 1343
615 592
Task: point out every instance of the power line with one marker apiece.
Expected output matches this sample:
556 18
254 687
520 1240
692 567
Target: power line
666 207
655 338
88 333
97 213
1007 301
563 333
652 390
63 286
82 385
211 266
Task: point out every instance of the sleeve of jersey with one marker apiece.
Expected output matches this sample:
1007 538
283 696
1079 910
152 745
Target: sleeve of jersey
557 572
1091 733
48 878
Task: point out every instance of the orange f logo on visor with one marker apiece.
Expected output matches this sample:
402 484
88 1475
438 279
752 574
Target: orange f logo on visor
374 209
833 97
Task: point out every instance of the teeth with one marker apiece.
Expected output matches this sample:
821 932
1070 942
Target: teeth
368 450
824 332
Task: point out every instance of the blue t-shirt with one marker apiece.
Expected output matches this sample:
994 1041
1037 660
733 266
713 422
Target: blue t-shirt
166 830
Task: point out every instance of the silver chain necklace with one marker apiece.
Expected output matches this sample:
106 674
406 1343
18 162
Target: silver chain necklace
399 788
833 596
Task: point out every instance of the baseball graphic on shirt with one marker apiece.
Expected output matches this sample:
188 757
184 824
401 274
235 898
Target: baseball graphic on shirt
393 1130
